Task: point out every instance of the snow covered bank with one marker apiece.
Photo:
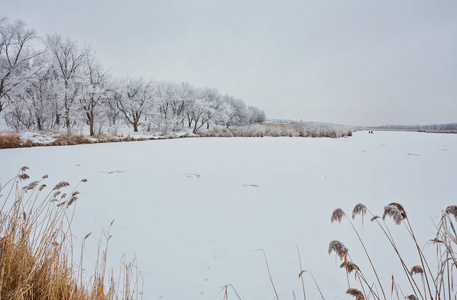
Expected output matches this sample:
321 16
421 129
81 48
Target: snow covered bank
194 210
19 139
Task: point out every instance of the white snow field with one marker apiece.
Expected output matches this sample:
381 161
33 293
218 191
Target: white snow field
194 211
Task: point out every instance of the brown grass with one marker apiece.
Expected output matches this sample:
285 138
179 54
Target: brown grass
15 141
71 139
10 141
36 248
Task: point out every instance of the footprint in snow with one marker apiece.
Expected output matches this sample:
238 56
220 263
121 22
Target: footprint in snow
413 154
112 172
194 175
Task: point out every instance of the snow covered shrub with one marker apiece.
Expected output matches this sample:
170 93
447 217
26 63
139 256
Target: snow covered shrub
36 247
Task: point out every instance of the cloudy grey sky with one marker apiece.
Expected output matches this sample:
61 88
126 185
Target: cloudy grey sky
349 62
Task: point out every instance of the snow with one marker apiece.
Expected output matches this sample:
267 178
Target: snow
193 211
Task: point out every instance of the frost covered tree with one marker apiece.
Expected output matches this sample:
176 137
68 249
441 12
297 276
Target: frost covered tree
166 98
37 97
255 115
206 106
172 103
95 86
67 61
133 98
64 86
185 97
16 54
236 112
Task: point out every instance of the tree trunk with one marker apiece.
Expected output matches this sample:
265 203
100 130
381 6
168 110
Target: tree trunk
135 126
91 124
38 122
195 127
67 123
91 127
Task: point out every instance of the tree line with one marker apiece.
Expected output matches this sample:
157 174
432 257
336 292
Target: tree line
437 127
53 83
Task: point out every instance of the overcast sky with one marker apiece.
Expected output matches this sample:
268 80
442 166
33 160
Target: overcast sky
348 62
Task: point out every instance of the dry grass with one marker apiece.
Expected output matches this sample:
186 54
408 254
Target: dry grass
15 141
71 139
423 282
36 247
278 130
10 141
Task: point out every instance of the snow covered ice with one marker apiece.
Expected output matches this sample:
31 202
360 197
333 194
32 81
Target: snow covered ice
193 211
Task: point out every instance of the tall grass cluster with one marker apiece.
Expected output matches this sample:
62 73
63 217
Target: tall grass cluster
10 141
278 130
38 256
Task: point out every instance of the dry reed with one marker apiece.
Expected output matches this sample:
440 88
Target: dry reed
338 248
36 249
358 295
432 285
278 130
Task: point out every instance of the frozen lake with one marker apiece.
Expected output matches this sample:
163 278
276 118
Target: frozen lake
194 210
